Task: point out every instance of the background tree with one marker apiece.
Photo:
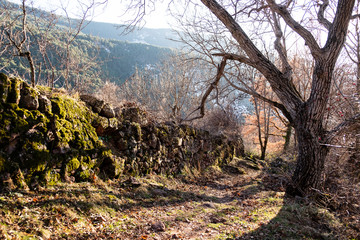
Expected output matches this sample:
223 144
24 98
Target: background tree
47 41
169 90
18 39
305 115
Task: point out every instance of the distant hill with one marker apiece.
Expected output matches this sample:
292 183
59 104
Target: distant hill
116 60
156 37
119 59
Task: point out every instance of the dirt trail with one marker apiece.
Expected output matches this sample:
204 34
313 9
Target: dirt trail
216 205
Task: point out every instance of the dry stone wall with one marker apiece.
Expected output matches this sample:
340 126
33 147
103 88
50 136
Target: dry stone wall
46 137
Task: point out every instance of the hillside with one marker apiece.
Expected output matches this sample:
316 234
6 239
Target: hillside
93 58
155 37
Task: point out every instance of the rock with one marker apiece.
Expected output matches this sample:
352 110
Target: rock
44 104
158 226
159 192
90 100
7 183
216 219
122 145
209 205
107 111
4 87
113 166
96 104
14 91
135 114
131 182
28 97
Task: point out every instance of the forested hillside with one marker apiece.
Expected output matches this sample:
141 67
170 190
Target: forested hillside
64 53
156 37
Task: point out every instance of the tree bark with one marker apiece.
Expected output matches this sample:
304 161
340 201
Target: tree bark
310 160
287 137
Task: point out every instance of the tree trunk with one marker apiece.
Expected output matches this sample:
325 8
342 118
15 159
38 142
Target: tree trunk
287 137
263 152
311 158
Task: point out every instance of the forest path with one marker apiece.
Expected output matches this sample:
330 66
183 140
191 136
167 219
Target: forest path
215 205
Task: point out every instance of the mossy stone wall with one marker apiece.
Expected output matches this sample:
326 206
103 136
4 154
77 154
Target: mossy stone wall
47 137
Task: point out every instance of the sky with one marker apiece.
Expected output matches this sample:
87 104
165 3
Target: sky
110 12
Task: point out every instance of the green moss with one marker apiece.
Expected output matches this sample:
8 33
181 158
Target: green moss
19 180
52 177
106 153
57 106
18 122
14 91
2 163
47 91
84 175
36 158
4 87
136 130
190 131
72 165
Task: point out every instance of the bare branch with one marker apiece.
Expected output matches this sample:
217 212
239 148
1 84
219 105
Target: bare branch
355 16
298 28
212 86
286 68
348 125
321 15
236 57
255 94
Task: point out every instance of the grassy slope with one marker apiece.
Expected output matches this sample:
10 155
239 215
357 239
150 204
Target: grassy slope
216 205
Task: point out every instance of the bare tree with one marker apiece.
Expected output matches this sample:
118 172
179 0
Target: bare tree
48 48
19 39
305 115
169 89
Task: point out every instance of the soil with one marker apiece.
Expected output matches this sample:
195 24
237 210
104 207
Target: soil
214 205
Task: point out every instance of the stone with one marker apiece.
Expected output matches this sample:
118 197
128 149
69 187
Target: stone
7 183
131 182
14 91
95 103
44 104
107 111
4 87
28 97
90 100
135 114
158 226
208 205
122 145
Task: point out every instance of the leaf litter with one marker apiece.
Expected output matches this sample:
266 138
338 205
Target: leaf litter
215 205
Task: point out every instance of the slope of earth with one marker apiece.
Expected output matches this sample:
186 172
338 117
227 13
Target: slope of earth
215 205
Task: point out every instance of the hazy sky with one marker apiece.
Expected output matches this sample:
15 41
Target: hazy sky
111 12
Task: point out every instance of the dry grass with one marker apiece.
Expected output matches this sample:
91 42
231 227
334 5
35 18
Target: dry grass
215 205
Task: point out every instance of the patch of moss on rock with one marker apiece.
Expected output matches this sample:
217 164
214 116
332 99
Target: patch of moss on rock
14 90
4 87
37 145
72 165
2 163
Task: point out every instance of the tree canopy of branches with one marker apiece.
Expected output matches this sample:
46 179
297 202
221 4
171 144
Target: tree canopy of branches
232 34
